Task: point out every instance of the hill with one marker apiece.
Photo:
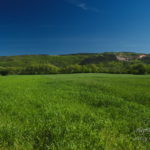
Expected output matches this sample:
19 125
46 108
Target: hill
64 60
112 62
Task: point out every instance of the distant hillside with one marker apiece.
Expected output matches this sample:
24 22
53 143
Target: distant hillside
24 60
64 60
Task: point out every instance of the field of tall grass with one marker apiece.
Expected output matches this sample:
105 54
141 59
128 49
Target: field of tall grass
75 112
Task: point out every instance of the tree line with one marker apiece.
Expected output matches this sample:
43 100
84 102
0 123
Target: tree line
116 67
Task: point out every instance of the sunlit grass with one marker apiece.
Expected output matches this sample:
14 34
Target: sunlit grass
74 112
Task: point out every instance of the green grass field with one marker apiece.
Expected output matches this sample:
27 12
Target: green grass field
75 112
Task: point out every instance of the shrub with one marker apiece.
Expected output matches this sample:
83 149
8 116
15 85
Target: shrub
138 69
72 69
4 71
40 69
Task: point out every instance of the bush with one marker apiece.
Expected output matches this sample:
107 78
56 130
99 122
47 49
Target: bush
40 69
138 69
4 71
72 69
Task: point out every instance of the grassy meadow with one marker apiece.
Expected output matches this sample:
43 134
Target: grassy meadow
75 112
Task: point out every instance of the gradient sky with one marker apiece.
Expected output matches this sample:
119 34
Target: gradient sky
74 26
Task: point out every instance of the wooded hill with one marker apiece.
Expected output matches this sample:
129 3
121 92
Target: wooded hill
70 59
108 62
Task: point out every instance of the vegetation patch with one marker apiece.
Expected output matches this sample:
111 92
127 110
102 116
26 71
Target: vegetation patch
75 112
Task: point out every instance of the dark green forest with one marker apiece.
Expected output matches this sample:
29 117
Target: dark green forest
110 62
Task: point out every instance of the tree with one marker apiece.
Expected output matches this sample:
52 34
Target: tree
93 68
4 71
138 69
72 69
40 69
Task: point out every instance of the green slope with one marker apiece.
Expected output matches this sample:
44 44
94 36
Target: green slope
65 60
25 60
57 60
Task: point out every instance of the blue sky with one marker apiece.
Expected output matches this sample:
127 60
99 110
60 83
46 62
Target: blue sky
73 26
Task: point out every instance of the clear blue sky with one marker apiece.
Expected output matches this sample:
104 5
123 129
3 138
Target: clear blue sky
73 26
